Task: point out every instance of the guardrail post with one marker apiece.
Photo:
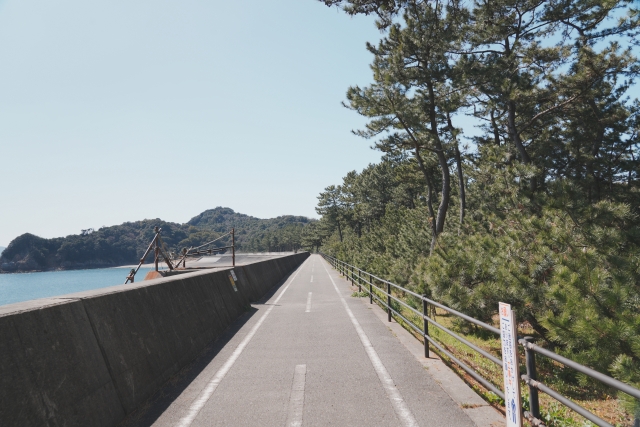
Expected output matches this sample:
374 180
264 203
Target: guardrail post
359 281
530 357
389 302
425 311
370 289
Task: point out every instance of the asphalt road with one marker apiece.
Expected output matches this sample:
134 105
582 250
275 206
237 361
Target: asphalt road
310 355
226 261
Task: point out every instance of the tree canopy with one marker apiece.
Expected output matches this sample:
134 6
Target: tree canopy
540 206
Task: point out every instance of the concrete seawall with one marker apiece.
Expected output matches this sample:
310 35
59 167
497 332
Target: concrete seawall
90 358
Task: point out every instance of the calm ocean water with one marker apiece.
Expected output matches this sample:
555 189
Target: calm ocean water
27 286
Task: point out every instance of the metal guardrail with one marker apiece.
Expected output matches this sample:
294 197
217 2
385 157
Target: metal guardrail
359 277
198 251
173 262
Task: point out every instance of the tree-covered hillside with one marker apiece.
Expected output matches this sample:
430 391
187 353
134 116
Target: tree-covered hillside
254 234
540 206
125 244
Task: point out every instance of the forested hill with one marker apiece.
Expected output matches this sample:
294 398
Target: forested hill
125 243
223 219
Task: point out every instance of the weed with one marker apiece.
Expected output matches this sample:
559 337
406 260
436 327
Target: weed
470 405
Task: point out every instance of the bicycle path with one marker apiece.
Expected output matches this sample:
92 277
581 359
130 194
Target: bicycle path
311 355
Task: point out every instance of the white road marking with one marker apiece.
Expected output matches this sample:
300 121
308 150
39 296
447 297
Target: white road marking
211 387
308 303
311 279
399 405
296 401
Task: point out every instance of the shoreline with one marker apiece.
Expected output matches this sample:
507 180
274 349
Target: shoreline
53 270
130 266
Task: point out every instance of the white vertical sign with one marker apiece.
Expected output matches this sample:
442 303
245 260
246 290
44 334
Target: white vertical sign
509 338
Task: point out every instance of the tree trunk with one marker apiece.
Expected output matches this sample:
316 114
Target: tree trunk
496 133
463 198
513 131
423 168
446 178
595 148
515 138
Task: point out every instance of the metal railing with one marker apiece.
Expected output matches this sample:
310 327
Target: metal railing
359 277
159 250
198 251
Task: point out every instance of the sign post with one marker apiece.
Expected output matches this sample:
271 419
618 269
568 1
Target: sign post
509 338
233 279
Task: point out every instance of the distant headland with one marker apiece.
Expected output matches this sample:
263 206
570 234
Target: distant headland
124 244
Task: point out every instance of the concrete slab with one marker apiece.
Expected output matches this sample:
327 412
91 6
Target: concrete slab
52 369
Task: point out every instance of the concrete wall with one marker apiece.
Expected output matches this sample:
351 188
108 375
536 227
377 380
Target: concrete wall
90 358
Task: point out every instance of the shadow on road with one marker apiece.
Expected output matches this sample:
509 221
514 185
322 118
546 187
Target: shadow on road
156 405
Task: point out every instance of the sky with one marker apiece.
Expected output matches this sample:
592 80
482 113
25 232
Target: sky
114 111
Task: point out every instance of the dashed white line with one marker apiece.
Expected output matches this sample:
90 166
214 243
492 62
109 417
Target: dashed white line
399 405
210 388
296 401
311 279
308 303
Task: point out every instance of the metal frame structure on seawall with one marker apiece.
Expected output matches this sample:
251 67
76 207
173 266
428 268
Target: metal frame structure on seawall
160 251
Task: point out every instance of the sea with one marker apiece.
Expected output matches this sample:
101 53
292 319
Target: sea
17 287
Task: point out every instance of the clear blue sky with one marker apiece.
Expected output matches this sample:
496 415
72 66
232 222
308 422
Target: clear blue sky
114 111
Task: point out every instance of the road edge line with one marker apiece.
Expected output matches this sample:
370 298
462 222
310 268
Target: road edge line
199 402
400 407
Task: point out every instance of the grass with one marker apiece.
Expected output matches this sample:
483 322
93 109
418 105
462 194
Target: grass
599 401
357 294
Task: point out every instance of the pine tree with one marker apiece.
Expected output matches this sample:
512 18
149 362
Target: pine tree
549 212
